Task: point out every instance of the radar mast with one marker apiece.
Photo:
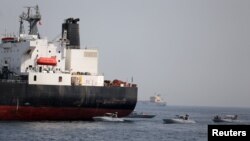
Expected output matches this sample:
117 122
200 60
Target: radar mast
32 19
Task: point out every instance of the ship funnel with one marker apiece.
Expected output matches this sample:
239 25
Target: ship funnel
72 29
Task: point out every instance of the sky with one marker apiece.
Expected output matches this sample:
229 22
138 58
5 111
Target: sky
191 52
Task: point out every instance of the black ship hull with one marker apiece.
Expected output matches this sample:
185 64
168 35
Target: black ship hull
21 101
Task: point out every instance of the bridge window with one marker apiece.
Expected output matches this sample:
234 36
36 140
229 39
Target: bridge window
34 77
40 69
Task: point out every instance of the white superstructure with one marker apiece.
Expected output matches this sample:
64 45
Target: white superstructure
49 63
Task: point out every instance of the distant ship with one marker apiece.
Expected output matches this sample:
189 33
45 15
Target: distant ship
56 80
157 100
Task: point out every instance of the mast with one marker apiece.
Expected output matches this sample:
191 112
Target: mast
21 28
32 19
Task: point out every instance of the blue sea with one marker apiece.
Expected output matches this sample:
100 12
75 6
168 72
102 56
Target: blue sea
140 130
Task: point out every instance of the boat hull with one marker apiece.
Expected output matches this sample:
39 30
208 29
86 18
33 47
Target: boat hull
136 115
141 116
225 120
107 119
178 121
21 101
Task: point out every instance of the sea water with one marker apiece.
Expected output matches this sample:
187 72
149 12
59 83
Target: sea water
139 130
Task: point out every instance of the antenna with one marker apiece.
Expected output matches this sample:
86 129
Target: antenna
21 28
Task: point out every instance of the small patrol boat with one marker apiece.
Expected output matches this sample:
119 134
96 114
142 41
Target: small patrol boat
226 118
135 114
109 117
179 119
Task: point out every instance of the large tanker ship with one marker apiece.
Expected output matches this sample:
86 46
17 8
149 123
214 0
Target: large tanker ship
43 80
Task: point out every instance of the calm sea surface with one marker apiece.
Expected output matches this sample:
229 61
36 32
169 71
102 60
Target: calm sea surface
141 130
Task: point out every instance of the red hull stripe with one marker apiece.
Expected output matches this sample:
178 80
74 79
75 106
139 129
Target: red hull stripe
50 113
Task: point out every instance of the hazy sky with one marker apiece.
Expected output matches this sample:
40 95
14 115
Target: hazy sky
192 52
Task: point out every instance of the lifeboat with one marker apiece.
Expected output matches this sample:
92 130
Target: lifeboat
9 39
47 61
